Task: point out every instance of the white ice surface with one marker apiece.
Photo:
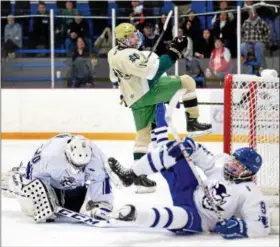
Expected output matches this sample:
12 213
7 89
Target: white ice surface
20 230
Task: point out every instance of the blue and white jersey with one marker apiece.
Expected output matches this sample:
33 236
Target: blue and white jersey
51 166
244 200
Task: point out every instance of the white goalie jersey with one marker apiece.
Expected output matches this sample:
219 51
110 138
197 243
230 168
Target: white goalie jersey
50 165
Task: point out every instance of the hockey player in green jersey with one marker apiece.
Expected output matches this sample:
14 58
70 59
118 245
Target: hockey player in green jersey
143 87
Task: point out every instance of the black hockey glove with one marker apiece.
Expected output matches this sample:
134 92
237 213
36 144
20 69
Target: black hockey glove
177 46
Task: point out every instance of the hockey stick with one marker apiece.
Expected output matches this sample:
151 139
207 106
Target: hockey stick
81 217
168 118
161 35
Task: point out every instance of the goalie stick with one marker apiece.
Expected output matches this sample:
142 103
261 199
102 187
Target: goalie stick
168 118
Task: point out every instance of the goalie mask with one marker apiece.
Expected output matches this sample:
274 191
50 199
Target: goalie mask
128 36
78 152
242 165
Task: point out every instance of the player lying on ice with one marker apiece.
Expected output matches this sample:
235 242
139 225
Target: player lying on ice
229 178
69 172
142 86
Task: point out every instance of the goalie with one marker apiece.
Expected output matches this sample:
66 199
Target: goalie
230 180
143 87
67 171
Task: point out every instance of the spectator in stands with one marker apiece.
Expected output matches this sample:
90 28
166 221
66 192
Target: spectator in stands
272 18
224 29
244 14
255 35
159 27
192 65
41 28
80 73
192 28
150 39
62 24
206 45
61 4
220 63
137 17
104 42
69 10
78 28
13 37
184 8
223 6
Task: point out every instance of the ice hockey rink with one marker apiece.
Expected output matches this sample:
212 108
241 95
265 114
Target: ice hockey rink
20 230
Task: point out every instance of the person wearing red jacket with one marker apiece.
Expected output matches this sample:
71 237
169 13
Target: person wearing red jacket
220 62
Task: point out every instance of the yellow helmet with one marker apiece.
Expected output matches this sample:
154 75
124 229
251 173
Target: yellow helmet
123 30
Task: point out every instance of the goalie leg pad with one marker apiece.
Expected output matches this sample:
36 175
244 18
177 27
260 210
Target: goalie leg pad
44 200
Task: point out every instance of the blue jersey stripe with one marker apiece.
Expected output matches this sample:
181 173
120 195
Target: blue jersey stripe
170 217
161 158
156 218
161 132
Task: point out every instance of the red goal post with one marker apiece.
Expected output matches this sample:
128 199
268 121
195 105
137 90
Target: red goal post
251 118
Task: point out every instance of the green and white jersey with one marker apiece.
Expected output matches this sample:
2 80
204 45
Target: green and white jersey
129 68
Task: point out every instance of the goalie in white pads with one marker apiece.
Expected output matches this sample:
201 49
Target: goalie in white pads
67 171
230 179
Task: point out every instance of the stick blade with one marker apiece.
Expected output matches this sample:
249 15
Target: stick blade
167 19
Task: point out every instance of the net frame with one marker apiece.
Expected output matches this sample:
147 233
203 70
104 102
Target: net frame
254 121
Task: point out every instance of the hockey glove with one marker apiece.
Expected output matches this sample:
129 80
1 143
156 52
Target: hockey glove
232 229
99 210
175 151
177 46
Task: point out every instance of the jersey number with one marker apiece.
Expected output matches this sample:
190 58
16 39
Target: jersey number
263 218
133 57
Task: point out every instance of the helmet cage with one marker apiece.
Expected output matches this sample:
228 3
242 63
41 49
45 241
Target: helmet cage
230 171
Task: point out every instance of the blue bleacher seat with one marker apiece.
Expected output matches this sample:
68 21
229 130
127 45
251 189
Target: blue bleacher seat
36 51
83 7
167 7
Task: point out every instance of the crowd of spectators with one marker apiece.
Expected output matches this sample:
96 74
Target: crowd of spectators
217 42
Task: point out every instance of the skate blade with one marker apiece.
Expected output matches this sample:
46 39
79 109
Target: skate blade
199 133
144 190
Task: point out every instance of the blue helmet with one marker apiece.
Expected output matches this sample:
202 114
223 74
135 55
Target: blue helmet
249 158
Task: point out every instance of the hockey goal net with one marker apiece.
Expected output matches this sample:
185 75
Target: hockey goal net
251 118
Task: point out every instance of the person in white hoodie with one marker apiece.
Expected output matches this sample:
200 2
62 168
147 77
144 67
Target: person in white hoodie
13 37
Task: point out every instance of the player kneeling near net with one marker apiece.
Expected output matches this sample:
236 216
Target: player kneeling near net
67 171
230 182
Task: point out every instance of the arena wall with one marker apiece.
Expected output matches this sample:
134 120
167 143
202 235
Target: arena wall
95 113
